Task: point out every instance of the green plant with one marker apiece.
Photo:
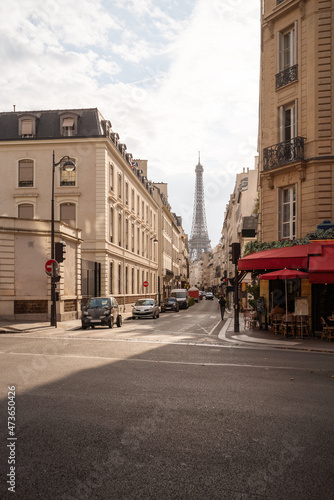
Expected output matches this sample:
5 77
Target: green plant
254 290
191 301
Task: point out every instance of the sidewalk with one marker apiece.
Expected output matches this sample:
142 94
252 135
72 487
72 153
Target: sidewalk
259 337
245 336
30 326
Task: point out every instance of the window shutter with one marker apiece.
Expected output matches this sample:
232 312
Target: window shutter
26 127
68 122
295 119
280 62
281 124
295 44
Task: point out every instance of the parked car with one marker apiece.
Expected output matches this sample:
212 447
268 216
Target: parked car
170 304
145 308
209 296
103 311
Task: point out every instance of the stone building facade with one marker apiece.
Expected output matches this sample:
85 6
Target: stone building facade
296 138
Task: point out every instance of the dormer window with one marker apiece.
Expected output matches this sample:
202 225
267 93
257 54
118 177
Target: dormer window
27 126
68 125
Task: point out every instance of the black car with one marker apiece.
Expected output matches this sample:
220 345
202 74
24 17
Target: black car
170 304
103 311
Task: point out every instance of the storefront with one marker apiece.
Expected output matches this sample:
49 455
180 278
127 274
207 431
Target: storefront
316 258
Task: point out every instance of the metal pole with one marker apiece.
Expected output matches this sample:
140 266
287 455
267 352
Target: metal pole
53 281
236 300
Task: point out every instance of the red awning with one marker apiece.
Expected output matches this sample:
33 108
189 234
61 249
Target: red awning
295 257
321 267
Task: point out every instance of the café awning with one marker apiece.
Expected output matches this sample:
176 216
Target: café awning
295 257
321 267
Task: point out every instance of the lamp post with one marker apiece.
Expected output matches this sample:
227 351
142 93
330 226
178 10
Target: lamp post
69 165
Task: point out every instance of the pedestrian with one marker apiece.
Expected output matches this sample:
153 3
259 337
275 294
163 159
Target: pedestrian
222 305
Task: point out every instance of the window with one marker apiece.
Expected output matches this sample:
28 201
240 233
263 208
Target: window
126 193
27 126
287 57
110 277
119 186
120 229
111 176
126 279
132 281
26 173
67 213
111 224
26 211
133 199
287 48
133 237
126 233
288 122
287 213
138 240
68 126
67 177
138 205
119 277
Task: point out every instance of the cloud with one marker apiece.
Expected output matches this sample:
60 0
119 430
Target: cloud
174 77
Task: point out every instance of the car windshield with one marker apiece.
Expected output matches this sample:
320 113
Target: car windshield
171 299
179 295
145 302
98 302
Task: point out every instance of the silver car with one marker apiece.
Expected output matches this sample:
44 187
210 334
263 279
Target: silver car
145 308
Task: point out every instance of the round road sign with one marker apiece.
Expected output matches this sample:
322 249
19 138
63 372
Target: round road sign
48 266
145 283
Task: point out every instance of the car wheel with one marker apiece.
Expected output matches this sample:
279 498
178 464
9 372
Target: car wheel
119 320
110 323
158 314
84 327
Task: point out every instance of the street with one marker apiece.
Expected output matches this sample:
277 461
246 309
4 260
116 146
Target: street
165 409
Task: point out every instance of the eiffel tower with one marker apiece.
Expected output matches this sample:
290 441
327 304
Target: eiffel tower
199 240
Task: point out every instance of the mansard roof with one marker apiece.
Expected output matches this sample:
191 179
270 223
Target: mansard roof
89 123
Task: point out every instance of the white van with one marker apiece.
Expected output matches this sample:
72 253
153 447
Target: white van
181 295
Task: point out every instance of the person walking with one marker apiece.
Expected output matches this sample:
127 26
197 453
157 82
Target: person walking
222 305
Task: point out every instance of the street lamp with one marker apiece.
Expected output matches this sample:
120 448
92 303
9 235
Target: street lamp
69 166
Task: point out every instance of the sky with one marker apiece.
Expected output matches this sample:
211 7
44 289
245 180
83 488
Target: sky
174 77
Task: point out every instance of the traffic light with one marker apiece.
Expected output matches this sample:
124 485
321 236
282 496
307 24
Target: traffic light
234 252
60 250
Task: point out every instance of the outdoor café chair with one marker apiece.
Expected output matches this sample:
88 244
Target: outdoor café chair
288 325
302 329
327 331
277 323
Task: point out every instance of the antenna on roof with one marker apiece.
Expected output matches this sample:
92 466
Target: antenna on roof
199 157
14 106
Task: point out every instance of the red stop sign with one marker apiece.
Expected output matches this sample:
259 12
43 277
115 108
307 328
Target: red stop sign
145 283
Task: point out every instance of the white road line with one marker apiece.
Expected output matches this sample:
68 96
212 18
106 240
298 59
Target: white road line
236 339
156 361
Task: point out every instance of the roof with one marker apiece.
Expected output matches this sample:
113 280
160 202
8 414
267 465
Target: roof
48 123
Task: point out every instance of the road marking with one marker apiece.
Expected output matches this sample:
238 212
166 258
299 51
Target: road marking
236 339
156 361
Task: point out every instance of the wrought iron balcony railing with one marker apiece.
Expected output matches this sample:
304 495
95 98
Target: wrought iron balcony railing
283 153
286 76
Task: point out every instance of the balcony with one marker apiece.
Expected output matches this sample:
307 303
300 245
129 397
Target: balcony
283 153
287 76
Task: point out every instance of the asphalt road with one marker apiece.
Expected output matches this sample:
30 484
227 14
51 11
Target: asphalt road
128 414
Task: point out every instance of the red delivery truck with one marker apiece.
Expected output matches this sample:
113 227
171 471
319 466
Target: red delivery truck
194 292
